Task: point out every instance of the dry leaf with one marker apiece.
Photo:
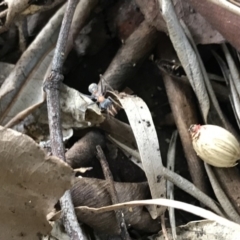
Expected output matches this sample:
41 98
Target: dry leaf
31 184
145 134
94 193
201 230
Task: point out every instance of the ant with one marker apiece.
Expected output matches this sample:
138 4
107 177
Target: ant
105 104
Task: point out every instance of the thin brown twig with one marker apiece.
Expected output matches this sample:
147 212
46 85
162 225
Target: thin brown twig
51 86
112 191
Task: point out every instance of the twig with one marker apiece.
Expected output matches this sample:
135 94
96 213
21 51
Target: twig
171 156
189 188
112 192
51 86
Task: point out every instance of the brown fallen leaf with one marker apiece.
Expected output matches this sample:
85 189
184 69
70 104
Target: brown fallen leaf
31 184
93 192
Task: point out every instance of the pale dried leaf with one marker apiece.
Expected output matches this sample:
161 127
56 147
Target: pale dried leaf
97 192
31 184
201 230
58 231
77 110
145 134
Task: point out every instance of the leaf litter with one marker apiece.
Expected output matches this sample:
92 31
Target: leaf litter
32 183
138 151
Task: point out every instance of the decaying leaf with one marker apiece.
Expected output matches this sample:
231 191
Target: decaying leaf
31 184
77 111
145 134
95 193
201 230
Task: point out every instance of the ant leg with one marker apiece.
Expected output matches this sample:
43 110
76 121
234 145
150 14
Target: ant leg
114 110
110 113
115 102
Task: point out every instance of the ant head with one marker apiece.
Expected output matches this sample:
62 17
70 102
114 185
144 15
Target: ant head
93 88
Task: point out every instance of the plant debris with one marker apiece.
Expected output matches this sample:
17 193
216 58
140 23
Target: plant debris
107 86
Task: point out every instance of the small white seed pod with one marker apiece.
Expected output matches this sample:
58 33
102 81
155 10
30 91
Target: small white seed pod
215 145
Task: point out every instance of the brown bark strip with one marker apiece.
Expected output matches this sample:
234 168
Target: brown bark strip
181 100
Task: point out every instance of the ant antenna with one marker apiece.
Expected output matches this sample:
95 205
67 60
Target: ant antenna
106 84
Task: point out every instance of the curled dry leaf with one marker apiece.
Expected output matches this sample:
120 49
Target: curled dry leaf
95 193
77 111
145 134
31 184
215 145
